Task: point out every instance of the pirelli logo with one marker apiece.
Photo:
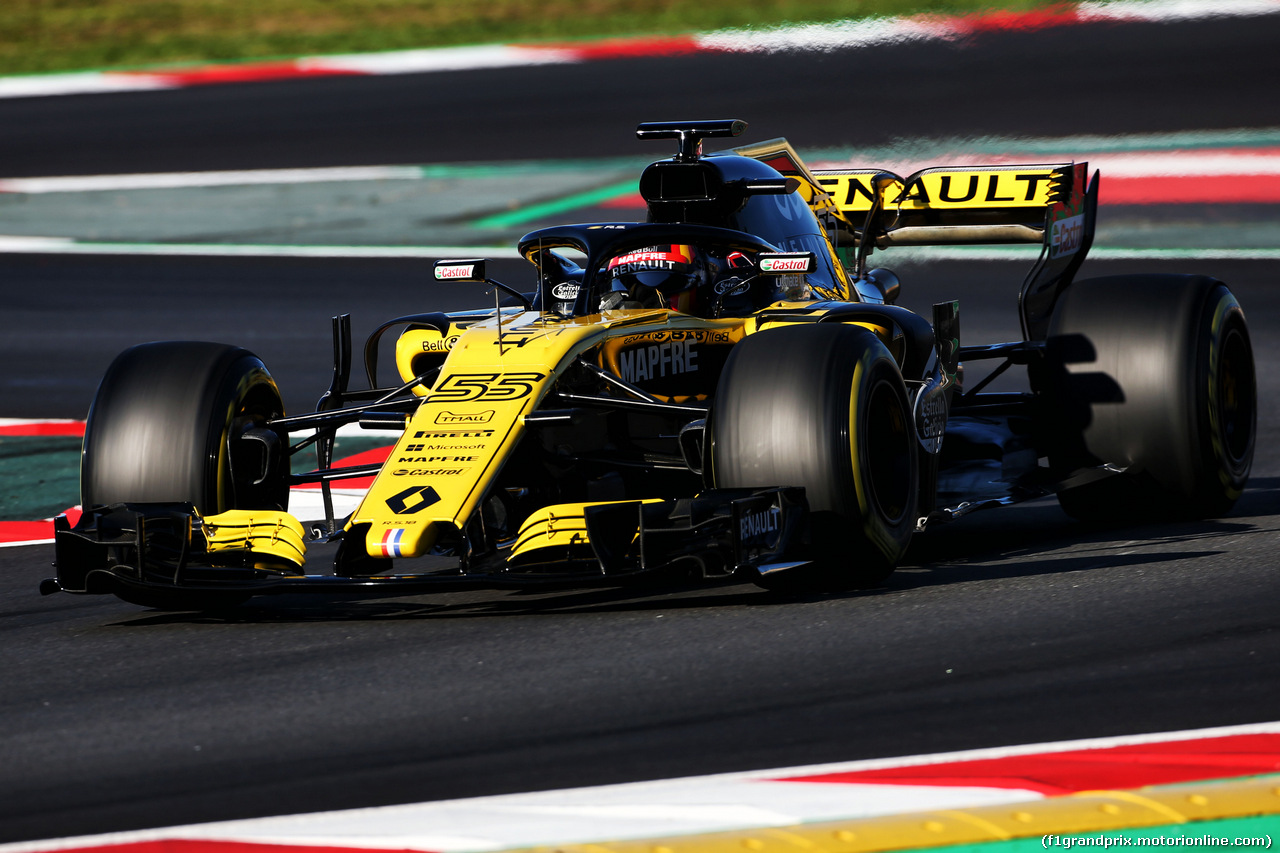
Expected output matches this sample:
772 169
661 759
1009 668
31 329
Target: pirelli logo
942 189
439 434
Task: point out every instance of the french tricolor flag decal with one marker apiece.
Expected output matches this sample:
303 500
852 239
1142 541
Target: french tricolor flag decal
391 542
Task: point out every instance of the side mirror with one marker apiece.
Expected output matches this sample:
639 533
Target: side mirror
472 270
887 282
880 183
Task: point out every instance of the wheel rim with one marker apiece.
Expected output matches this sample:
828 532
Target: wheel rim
1236 403
887 452
258 401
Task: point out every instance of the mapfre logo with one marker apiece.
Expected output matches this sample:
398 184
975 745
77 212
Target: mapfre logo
643 364
465 418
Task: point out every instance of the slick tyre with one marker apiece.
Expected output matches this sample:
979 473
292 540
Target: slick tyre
823 407
1153 374
165 427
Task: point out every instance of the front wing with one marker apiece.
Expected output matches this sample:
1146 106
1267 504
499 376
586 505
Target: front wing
718 533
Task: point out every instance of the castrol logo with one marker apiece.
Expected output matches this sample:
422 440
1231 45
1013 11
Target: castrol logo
786 263
445 273
1067 237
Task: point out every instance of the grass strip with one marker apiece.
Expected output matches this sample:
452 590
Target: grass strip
62 35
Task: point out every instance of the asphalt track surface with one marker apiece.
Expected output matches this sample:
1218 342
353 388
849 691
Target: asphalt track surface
1012 626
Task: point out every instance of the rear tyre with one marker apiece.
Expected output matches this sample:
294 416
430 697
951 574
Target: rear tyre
165 427
1153 374
823 407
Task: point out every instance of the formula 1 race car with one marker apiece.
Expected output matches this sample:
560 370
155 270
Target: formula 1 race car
725 390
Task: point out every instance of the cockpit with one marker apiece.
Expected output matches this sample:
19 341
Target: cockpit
693 269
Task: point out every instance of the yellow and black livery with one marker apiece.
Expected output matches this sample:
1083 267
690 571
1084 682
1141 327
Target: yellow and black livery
755 405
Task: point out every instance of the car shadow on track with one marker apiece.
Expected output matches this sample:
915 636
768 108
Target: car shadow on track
327 608
1037 538
1031 539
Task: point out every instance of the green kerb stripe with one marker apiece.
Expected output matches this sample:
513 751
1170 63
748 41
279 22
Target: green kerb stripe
551 208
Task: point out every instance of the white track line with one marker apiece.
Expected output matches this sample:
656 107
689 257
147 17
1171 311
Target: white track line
1173 10
1130 164
182 180
440 59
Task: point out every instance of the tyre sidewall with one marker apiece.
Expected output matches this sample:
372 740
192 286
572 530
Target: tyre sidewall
1226 434
794 408
885 485
159 425
1135 379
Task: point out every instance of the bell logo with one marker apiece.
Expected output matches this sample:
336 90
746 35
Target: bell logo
412 500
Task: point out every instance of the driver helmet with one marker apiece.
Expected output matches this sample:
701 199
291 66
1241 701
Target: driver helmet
666 276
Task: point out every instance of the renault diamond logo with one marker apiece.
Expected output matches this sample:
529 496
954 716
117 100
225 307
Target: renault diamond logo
413 500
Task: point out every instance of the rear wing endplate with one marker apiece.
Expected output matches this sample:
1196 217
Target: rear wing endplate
1068 236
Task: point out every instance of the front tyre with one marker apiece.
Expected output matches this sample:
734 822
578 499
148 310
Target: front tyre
169 425
822 406
162 426
1153 374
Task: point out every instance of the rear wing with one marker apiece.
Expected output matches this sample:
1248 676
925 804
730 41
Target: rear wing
948 205
1054 205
